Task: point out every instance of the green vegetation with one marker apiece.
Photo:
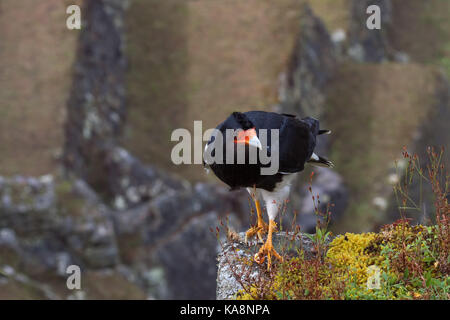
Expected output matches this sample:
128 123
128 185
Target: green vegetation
407 259
401 261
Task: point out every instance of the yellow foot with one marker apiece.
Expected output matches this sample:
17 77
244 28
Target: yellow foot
267 249
260 230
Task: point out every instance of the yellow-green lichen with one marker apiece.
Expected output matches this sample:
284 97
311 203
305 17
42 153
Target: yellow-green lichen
353 254
399 262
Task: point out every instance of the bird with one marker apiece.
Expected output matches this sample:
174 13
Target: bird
296 143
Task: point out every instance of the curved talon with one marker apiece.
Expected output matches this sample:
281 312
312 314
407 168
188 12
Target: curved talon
268 249
260 230
250 233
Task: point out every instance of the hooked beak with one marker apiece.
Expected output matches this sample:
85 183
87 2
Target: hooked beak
254 141
249 137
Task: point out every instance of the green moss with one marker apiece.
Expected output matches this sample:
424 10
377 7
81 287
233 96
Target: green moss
403 259
68 202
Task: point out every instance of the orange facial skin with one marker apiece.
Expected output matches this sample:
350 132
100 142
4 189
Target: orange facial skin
245 136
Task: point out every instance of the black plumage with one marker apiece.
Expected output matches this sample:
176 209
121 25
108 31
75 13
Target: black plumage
297 139
296 142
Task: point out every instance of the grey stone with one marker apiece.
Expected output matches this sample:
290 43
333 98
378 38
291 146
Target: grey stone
303 93
234 254
175 231
97 91
310 68
44 226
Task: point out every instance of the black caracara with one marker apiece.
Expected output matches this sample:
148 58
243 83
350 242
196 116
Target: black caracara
296 143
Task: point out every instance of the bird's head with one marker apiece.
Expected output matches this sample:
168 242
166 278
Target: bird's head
248 137
246 131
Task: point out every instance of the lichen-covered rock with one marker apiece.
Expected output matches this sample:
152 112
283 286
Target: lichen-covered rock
303 92
43 220
49 223
172 234
26 203
234 257
96 107
130 182
97 112
310 68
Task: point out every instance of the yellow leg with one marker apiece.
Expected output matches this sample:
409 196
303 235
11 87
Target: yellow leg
260 229
267 248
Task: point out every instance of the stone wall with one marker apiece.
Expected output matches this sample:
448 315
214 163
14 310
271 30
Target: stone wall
234 256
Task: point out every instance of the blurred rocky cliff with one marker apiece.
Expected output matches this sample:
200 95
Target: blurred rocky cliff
113 203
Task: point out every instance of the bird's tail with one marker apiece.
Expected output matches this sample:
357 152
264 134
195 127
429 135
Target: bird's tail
320 161
324 132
